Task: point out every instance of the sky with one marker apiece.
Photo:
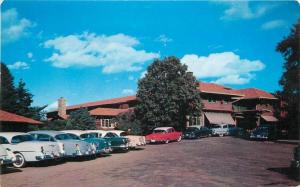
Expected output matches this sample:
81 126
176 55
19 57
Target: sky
90 50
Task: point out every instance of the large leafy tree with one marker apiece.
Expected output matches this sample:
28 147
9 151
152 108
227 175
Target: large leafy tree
81 120
289 47
7 92
166 95
127 122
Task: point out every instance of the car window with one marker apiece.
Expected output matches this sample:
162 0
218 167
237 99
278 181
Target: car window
190 129
22 138
63 137
216 126
89 135
110 134
123 134
73 136
3 140
44 137
159 131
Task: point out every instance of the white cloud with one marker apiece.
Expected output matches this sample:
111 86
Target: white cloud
52 106
18 65
222 66
128 92
29 55
115 53
273 24
163 39
143 74
13 27
242 10
234 79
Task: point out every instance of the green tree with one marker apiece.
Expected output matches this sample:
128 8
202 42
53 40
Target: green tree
81 120
54 125
289 47
24 100
166 95
7 92
127 122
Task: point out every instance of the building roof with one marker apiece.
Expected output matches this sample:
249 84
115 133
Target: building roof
254 93
103 102
107 111
10 117
217 89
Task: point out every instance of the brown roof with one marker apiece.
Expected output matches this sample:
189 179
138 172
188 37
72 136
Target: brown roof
107 111
217 89
253 93
10 117
103 102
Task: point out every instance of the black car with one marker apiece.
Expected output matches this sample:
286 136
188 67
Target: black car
196 132
264 132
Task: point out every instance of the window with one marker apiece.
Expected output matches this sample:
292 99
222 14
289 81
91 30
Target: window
110 135
21 138
3 140
73 136
63 137
44 137
159 131
89 135
212 101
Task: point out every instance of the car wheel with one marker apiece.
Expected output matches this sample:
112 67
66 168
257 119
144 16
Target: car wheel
179 139
167 141
20 161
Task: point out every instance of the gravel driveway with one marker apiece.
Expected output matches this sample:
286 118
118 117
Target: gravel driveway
215 161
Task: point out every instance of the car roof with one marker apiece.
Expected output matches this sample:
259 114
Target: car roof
10 135
49 132
118 132
163 128
76 132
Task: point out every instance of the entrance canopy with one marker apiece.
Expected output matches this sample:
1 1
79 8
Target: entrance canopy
219 118
269 118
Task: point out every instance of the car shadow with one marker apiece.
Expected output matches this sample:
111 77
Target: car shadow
46 163
137 149
287 171
8 170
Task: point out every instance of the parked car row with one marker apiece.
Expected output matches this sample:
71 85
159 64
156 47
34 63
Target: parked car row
20 148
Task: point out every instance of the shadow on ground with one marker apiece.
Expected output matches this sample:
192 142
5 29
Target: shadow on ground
8 170
287 171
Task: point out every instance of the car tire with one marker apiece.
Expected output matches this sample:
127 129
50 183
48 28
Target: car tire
167 141
20 161
179 139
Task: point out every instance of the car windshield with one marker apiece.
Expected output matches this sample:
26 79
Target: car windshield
89 135
73 136
190 129
63 137
123 134
22 138
216 126
159 131
3 140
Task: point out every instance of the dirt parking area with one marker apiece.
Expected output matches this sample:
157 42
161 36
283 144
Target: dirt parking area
215 161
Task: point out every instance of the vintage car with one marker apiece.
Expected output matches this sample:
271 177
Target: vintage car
221 129
70 147
6 155
134 140
264 132
26 149
194 132
99 145
164 135
117 143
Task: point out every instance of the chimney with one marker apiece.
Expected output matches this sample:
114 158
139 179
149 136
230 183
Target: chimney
62 109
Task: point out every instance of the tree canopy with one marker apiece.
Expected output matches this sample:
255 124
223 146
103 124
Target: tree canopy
289 47
166 95
81 120
128 122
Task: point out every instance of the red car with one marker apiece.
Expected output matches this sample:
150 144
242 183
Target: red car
164 135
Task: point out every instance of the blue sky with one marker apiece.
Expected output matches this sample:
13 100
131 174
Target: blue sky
86 51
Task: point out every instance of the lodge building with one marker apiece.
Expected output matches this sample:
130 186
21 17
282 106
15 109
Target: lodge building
247 108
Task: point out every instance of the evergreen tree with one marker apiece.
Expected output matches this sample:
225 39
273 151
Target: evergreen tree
7 92
289 47
166 95
24 100
81 120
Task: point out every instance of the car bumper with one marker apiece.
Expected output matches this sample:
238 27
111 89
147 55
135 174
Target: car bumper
48 156
6 161
258 137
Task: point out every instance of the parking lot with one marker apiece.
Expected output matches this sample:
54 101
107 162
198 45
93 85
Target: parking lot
216 161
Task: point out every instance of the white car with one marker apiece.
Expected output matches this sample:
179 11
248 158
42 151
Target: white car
26 149
69 146
134 140
6 155
221 130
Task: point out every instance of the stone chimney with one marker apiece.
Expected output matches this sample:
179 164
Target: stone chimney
62 108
